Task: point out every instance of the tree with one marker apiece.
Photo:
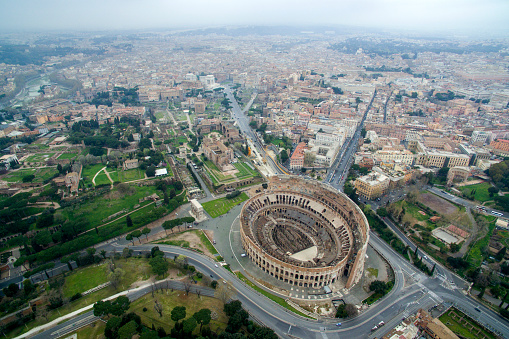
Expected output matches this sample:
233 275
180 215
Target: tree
378 286
117 307
178 313
127 253
129 237
382 211
158 308
150 171
351 310
103 254
341 311
232 307
264 333
159 265
115 277
284 156
189 325
145 232
203 317
128 330
129 221
112 326
137 235
11 290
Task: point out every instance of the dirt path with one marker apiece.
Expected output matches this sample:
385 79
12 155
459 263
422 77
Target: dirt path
99 171
108 175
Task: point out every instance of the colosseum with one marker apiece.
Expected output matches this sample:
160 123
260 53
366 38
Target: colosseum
305 233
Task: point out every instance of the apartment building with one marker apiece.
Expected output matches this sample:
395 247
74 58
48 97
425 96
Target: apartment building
402 157
372 185
297 158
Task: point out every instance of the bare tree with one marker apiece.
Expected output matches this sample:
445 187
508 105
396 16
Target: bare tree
187 286
159 308
198 292
225 292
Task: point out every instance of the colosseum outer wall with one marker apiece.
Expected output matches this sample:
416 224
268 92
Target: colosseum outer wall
339 214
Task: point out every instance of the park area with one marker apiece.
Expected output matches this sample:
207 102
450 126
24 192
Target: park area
169 300
221 206
479 192
39 157
98 208
463 325
41 174
69 156
243 171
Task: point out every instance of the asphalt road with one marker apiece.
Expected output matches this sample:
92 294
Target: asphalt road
339 170
466 203
243 123
412 290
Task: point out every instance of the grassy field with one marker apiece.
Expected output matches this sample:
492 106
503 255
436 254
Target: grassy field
272 297
102 179
41 174
220 206
130 175
88 172
216 175
39 157
481 191
468 328
475 255
82 280
67 156
98 208
413 210
16 176
169 300
135 269
244 171
206 242
94 330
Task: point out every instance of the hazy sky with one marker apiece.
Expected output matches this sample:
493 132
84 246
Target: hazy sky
38 15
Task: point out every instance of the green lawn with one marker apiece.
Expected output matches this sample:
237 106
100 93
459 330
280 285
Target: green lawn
169 300
220 206
130 175
82 280
67 156
481 191
43 174
244 171
88 172
475 255
464 329
413 210
135 269
102 179
206 242
39 157
98 208
271 296
216 174
15 176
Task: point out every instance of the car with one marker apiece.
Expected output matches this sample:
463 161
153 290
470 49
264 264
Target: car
224 281
216 265
426 257
381 323
212 276
243 255
338 324
477 309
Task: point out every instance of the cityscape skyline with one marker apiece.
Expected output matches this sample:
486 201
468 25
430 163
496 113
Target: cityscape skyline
454 16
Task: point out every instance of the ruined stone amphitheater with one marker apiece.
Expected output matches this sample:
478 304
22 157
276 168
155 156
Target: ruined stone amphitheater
305 233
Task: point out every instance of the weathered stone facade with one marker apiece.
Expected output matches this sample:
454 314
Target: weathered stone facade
295 216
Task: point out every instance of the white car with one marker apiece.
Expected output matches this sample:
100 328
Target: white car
216 265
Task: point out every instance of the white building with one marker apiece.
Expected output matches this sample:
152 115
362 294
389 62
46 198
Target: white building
479 138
